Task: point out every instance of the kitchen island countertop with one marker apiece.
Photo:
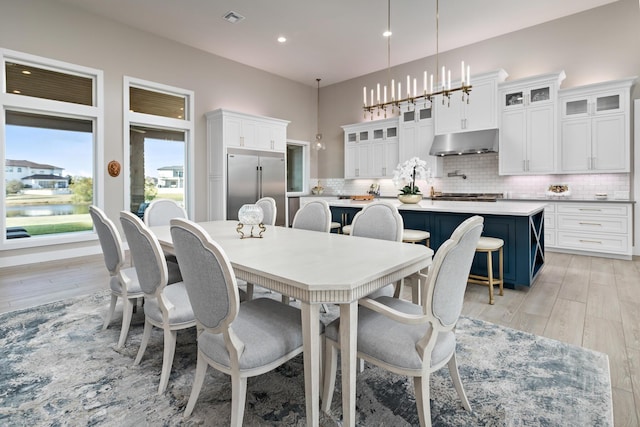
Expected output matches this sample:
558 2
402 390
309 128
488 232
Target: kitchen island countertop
467 207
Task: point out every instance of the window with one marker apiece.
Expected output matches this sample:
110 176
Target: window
159 144
297 167
50 144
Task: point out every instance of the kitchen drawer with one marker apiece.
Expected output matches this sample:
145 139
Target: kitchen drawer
549 220
549 238
593 209
593 223
605 243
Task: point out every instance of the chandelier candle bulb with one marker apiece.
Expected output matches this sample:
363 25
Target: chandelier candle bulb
399 90
385 94
444 76
424 83
408 87
431 89
372 97
462 73
378 93
415 87
449 79
364 95
468 75
393 95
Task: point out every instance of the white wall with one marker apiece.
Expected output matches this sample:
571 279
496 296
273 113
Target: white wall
55 30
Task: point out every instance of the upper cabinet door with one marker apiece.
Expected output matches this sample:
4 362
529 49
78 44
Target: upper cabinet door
480 111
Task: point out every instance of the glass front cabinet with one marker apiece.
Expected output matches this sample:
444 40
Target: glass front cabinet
528 125
371 149
595 128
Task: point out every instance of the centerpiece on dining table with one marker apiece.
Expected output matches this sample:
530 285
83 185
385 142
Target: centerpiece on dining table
408 172
251 215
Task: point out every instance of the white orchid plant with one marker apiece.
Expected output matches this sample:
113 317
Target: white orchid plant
408 172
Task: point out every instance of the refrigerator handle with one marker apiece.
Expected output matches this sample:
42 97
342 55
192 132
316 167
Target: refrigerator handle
259 182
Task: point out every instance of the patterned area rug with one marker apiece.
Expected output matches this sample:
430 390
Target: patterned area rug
59 368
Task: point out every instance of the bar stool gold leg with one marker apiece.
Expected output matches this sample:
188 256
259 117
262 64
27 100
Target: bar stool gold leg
501 264
490 274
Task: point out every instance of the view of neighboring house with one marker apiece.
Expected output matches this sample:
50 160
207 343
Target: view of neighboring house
171 177
35 175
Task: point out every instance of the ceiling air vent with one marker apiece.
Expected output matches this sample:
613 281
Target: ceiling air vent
233 17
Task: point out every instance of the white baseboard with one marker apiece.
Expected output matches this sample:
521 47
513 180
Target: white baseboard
12 261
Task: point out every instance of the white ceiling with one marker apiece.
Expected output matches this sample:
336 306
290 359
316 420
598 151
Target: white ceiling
334 40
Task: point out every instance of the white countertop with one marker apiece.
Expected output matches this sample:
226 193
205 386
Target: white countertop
481 208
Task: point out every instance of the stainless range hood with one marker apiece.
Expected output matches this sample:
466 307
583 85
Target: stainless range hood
472 142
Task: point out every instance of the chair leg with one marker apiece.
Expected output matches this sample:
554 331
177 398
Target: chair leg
127 313
490 274
238 397
455 376
249 291
423 404
198 380
397 293
330 370
167 358
112 309
146 334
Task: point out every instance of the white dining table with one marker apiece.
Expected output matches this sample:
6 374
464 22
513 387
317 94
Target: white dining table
317 268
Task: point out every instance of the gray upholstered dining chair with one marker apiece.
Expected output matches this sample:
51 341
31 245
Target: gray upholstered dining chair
161 211
379 220
123 281
165 307
239 340
270 210
411 339
314 216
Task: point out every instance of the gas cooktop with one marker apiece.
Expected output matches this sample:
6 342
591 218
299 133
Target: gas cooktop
477 197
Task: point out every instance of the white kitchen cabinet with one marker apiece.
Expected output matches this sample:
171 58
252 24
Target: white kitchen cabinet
254 132
230 129
595 129
597 228
528 126
371 149
481 110
416 136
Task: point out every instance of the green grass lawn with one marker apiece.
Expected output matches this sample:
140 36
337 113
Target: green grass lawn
52 224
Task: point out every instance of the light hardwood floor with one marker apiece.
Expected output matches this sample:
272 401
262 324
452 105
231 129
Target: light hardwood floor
586 301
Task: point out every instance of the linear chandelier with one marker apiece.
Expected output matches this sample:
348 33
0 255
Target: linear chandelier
380 102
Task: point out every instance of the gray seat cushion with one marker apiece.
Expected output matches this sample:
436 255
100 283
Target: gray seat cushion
393 342
268 328
176 294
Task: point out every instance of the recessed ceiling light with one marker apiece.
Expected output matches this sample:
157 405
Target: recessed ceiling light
232 17
282 39
387 33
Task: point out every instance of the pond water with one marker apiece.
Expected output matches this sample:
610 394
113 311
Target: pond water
46 210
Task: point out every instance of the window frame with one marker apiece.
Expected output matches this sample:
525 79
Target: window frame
187 125
27 104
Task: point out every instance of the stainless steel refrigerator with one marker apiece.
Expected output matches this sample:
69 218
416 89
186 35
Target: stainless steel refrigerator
252 175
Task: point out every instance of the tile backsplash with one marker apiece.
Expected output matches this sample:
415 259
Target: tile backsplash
481 171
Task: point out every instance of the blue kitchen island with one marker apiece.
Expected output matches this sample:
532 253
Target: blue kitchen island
520 225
